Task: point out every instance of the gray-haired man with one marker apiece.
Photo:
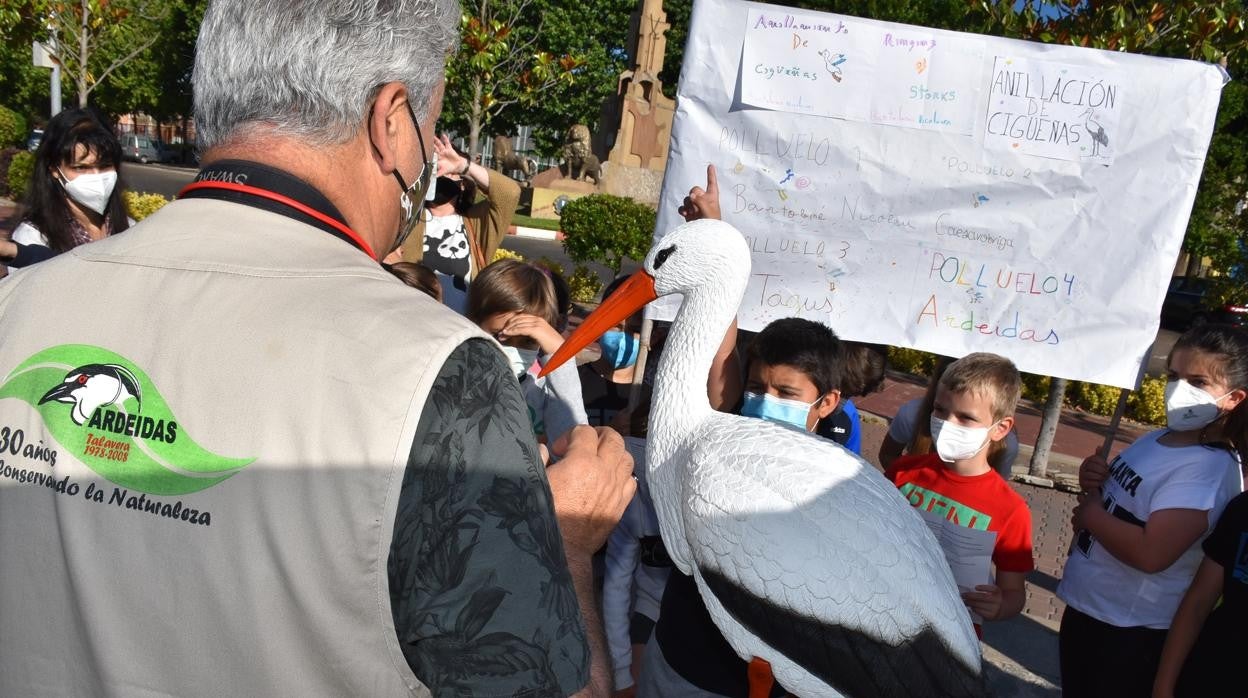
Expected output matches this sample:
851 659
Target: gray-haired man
239 458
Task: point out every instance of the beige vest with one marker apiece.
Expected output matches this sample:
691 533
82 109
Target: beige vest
205 423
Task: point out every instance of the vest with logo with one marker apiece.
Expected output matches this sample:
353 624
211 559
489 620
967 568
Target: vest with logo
204 425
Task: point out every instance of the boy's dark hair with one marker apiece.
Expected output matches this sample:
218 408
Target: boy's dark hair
990 375
862 368
417 276
809 347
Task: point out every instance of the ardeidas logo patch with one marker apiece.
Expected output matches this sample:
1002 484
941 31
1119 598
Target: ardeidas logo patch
106 412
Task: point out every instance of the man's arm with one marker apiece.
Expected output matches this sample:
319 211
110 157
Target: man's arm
488 597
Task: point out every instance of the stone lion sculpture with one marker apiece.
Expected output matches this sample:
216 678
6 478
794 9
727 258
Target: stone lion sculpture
506 159
579 162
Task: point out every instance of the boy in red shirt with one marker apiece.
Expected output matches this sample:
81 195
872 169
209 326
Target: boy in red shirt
974 406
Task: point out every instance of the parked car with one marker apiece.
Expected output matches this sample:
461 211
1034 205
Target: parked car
1185 306
145 149
35 138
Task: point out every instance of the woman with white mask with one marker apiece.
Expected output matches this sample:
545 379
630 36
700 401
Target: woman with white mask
74 195
1143 516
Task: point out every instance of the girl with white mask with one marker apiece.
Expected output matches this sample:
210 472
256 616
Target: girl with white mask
1140 524
514 302
74 195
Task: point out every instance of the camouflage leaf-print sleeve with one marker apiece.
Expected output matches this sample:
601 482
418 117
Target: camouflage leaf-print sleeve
482 598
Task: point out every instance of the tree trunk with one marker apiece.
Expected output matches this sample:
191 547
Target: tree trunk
1048 428
474 124
1193 265
83 54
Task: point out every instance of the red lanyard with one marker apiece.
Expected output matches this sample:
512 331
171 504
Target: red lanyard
285 201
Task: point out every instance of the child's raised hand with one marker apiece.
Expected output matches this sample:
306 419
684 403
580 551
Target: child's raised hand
985 601
1092 472
702 203
533 327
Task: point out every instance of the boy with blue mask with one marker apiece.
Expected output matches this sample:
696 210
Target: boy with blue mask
793 374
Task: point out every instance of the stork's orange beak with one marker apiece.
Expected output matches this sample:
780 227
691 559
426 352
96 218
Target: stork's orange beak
631 296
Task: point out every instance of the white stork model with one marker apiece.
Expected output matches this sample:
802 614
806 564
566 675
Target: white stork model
805 556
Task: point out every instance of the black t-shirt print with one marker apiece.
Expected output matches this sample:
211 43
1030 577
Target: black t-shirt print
446 246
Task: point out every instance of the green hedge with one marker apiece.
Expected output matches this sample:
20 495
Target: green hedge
1145 405
20 169
607 229
12 128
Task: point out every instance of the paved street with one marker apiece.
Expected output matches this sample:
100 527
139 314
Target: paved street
165 180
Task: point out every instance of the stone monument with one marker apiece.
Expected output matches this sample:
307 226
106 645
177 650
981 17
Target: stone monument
579 174
640 115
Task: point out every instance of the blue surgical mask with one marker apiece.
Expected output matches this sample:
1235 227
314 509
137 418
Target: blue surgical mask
619 349
791 413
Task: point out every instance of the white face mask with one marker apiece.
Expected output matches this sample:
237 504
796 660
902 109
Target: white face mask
91 190
520 359
1189 408
956 442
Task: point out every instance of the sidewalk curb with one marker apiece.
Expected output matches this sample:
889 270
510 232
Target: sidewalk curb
535 233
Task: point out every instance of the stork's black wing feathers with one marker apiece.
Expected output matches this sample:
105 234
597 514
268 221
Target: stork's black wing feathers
852 662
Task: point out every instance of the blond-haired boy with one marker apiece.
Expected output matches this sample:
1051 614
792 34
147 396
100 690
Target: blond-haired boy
974 406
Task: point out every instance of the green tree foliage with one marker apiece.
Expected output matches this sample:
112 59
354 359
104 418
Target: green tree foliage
607 229
20 169
500 65
596 32
93 37
12 128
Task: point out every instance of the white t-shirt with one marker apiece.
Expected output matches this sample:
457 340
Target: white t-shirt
901 430
1145 478
27 234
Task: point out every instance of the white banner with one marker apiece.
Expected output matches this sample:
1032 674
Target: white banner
944 191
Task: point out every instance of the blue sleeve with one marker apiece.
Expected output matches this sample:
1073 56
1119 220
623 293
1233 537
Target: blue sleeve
480 590
854 442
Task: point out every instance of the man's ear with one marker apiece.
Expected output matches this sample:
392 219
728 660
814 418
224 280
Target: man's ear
1002 428
385 124
828 404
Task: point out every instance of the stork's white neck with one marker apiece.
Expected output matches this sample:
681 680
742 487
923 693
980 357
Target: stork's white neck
680 399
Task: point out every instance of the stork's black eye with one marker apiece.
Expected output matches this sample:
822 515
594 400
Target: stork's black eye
662 256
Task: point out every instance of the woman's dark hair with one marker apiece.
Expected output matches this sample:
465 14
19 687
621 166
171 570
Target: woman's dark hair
508 286
46 203
807 346
1227 345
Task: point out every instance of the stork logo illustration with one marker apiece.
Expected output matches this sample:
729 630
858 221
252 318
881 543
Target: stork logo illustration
93 386
106 412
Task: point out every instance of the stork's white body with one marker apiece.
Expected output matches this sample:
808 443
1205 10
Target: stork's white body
796 544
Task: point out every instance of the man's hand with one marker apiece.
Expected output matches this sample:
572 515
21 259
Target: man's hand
702 203
592 483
